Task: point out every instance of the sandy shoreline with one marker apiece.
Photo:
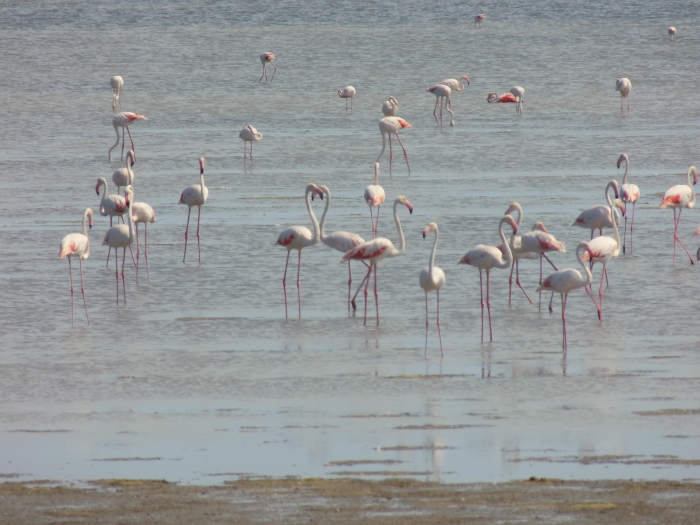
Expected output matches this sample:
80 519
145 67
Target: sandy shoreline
350 501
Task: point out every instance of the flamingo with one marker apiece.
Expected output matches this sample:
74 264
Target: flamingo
671 32
569 279
432 278
378 249
116 82
125 176
628 193
387 126
604 249
124 120
341 241
504 98
110 205
390 107
624 86
374 197
121 236
518 93
267 58
679 197
142 212
478 19
454 84
249 134
441 92
598 217
488 257
298 238
195 195
347 93
77 244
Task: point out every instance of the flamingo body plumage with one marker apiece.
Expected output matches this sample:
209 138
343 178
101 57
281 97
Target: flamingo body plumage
455 84
374 197
347 93
125 176
195 195
116 82
249 134
77 245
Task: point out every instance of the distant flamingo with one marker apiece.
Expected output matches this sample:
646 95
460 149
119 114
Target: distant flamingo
249 134
377 249
569 279
671 32
455 84
124 120
598 217
347 93
374 197
195 195
628 193
267 58
298 238
478 19
679 197
488 257
116 82
77 245
504 98
121 236
142 212
341 241
390 107
624 86
518 92
125 176
441 92
387 126
432 278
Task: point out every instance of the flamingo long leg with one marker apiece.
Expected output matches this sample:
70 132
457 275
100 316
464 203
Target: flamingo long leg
199 251
376 293
371 219
137 253
132 140
187 229
391 155
251 151
481 290
244 152
550 261
563 316
624 237
488 303
676 237
448 107
632 227
82 289
605 272
122 155
367 291
116 272
600 292
588 291
435 111
517 280
274 70
70 272
123 283
438 322
425 353
405 154
510 282
299 283
284 286
145 252
263 74
354 307
539 307
376 223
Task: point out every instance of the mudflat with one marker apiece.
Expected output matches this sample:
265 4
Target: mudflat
350 501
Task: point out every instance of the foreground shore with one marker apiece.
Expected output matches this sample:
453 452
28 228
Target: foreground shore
350 501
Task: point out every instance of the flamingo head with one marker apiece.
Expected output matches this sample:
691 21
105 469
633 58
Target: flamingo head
432 227
394 101
694 172
589 252
492 97
89 215
623 157
128 194
100 181
466 78
513 207
431 89
201 165
463 260
616 188
621 206
131 156
403 200
510 220
314 190
539 226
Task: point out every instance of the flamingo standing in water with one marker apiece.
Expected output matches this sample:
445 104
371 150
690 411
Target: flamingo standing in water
374 197
347 93
518 92
455 84
124 120
679 197
628 193
598 217
144 213
569 279
116 82
298 238
624 86
125 176
390 107
377 249
249 134
389 126
488 257
441 92
432 278
671 32
478 19
110 205
267 58
77 245
121 236
195 195
515 96
341 241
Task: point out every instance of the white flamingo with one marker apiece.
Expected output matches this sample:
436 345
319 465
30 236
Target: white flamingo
374 197
249 134
628 193
679 197
142 213
598 217
624 86
672 32
390 107
116 82
441 92
432 278
195 195
121 236
347 93
77 245
518 92
455 84
389 126
478 19
125 176
267 58
124 120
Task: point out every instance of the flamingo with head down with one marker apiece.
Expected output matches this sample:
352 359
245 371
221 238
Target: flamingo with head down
374 197
624 86
124 120
116 82
478 19
391 126
455 84
442 91
249 134
267 58
598 217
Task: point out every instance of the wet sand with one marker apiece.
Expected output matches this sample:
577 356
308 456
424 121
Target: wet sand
349 501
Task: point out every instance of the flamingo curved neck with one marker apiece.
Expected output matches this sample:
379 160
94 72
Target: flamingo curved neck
519 209
201 182
692 188
131 218
607 198
627 168
317 229
402 240
431 265
322 232
506 246
589 275
103 182
85 218
617 233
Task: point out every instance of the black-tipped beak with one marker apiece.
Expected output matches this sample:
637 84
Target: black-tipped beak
424 235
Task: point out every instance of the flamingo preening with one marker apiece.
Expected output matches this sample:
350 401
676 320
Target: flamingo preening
121 236
514 96
347 93
125 176
679 197
441 91
267 58
390 107
195 195
628 193
249 134
389 126
374 197
124 120
455 84
116 82
598 217
142 213
624 86
77 245
432 278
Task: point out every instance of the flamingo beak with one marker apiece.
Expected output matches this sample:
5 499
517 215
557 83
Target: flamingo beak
427 230
410 207
97 190
695 178
619 161
463 260
317 191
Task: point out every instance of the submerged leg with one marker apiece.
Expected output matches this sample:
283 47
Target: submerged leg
376 293
405 154
563 316
145 252
116 272
488 303
425 353
517 281
284 286
199 251
70 272
123 282
438 322
481 289
82 289
187 236
299 283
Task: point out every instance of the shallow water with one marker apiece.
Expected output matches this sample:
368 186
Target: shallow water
200 378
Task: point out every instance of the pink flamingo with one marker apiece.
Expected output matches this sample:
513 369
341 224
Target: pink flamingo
298 238
671 32
624 86
110 205
679 197
116 82
390 107
267 58
488 257
628 193
121 236
341 241
195 195
374 197
539 241
387 126
347 93
125 176
478 19
378 249
567 280
249 134
441 91
515 96
77 245
142 212
124 120
598 217
432 278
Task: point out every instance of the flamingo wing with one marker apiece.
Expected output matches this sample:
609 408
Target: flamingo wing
368 250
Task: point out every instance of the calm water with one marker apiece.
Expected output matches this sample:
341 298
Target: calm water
200 378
